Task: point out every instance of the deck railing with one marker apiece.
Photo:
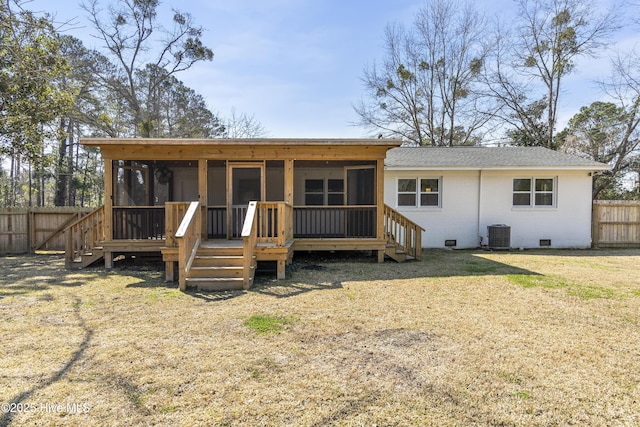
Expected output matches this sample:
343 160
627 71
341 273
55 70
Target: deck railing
174 213
217 222
402 232
334 221
138 222
250 239
275 222
84 235
188 238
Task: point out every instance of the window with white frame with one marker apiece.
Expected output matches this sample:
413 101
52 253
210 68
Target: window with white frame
534 192
419 192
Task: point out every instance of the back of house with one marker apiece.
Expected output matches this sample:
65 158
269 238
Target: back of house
468 197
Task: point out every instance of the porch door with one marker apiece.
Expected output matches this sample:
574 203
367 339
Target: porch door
246 184
361 201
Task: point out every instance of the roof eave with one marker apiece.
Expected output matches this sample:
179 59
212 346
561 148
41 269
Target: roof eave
245 141
498 168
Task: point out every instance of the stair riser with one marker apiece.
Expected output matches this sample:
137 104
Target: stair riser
220 251
209 272
87 259
395 255
217 262
218 269
215 285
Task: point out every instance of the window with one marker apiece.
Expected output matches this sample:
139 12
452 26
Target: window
429 193
314 192
335 192
534 192
319 192
419 192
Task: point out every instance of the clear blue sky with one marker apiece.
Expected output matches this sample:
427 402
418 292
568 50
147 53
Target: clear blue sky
296 64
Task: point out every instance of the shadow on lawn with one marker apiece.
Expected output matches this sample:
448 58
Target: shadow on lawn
6 418
325 271
25 274
319 271
434 263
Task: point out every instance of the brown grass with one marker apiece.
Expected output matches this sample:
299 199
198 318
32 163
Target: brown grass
462 338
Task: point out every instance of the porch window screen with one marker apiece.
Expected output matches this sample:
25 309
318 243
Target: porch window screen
131 184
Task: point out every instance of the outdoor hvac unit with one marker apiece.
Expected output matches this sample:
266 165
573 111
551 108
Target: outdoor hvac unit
499 236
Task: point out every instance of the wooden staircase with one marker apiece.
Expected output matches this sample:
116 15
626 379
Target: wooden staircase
84 239
403 236
396 252
85 259
219 268
218 265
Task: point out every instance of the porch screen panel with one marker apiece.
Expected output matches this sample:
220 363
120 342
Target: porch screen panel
361 197
246 187
131 186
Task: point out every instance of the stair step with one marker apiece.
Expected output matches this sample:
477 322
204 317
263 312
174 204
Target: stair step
216 271
396 253
221 251
217 260
212 284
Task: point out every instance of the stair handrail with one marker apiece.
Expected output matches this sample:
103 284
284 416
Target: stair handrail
188 238
84 235
250 238
402 232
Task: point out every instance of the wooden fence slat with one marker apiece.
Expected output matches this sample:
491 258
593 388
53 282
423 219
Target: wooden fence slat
616 224
24 230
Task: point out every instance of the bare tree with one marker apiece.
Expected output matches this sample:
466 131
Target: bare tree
425 89
243 126
534 60
624 87
127 33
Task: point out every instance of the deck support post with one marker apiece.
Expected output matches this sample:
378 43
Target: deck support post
280 271
108 259
170 271
380 256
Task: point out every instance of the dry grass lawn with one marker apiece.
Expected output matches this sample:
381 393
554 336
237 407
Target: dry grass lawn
461 338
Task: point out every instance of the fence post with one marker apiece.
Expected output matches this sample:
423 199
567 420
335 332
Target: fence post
595 225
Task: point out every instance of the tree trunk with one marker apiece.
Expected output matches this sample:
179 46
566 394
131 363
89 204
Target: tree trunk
61 177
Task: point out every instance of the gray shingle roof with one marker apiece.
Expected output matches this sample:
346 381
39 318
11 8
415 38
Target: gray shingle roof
475 158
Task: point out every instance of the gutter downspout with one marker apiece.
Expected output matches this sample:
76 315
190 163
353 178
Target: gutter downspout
479 206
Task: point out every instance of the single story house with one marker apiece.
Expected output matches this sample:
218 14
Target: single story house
469 197
215 207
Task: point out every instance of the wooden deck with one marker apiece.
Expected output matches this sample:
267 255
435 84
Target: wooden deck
224 264
265 251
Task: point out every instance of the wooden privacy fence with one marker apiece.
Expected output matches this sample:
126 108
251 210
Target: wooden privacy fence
616 224
25 230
